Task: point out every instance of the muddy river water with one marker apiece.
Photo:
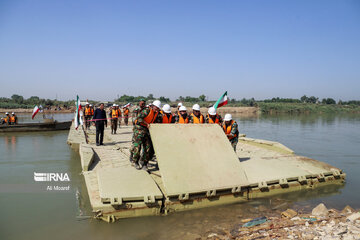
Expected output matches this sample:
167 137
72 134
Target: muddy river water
28 211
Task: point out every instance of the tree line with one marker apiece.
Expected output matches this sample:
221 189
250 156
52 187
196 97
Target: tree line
18 101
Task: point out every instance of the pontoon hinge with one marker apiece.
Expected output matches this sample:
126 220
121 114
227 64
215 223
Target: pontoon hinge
211 193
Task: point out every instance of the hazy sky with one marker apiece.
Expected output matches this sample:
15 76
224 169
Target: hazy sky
260 49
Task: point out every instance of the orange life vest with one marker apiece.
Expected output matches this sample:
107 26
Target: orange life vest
166 119
91 111
114 113
12 119
228 129
197 120
6 119
150 118
216 119
126 111
119 112
182 120
87 111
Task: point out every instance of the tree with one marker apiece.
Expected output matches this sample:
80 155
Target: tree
164 99
313 99
150 97
330 101
304 99
202 98
17 98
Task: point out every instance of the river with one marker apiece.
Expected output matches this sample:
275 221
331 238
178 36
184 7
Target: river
30 212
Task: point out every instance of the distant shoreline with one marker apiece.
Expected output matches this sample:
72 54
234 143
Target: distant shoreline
259 108
27 110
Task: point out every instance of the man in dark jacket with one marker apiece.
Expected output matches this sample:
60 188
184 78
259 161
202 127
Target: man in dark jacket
100 120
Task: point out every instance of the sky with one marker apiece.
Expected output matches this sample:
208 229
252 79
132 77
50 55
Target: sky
102 49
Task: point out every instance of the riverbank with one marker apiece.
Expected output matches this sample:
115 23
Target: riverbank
261 107
320 223
299 108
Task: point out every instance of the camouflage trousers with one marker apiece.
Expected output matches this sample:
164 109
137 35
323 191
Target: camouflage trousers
114 124
234 142
126 119
141 141
87 121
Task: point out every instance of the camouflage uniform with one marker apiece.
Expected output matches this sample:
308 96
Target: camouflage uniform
177 117
126 115
217 116
141 137
135 113
191 118
114 122
234 132
120 116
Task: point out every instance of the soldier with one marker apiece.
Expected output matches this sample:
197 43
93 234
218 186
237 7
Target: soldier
182 117
178 106
13 119
167 117
88 113
118 110
212 117
196 117
7 118
114 113
231 130
126 115
135 113
138 109
141 133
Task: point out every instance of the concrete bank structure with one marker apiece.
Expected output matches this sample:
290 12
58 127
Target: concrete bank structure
195 167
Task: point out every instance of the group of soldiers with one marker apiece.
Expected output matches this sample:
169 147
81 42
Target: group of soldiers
144 115
116 116
114 112
9 119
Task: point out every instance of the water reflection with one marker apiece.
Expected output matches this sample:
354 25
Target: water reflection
10 142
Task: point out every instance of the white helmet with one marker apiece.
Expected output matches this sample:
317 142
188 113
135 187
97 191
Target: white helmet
114 105
166 108
86 103
196 107
182 108
212 111
12 113
157 103
6 113
90 105
228 117
179 104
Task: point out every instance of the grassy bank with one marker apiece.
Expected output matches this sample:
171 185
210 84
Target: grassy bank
298 108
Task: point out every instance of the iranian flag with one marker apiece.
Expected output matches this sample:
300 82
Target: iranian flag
78 119
35 111
127 105
223 100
